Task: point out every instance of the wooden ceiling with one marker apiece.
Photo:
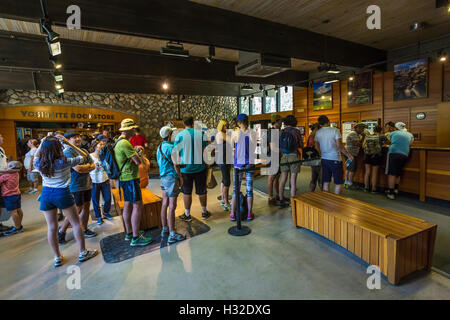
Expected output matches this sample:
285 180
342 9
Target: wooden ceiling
346 19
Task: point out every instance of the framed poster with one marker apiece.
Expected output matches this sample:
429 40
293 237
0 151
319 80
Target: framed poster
410 80
322 93
370 125
360 89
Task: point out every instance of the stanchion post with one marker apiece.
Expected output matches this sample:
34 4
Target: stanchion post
239 229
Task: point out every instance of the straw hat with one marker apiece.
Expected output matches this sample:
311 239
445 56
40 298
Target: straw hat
127 124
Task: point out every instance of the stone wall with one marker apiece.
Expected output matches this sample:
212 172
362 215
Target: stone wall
150 109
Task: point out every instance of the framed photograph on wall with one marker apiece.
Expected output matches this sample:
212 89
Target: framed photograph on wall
411 80
360 89
322 93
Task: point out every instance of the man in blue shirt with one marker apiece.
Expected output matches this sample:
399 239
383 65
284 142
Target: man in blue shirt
80 186
170 184
398 153
189 145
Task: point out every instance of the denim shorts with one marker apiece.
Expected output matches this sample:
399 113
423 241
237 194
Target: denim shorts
332 168
131 190
170 185
55 198
12 202
33 176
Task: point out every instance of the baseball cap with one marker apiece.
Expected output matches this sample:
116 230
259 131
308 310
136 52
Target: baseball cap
165 131
275 117
400 126
102 137
14 165
242 117
71 133
127 124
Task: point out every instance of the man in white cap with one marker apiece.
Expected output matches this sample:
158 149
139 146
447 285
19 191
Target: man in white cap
398 153
129 183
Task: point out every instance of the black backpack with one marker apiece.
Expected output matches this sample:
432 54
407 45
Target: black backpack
108 161
243 206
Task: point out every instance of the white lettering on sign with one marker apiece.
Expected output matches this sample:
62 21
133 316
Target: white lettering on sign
374 20
74 20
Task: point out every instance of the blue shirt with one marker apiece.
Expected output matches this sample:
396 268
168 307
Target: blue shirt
166 167
61 177
78 181
400 142
190 143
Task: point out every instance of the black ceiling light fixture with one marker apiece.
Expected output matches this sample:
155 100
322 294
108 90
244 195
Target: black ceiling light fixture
266 93
261 88
276 90
286 89
416 26
212 53
246 87
183 99
442 56
174 49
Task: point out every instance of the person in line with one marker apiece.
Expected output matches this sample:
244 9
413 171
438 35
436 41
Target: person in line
273 181
100 184
144 167
316 171
55 171
354 142
223 150
373 157
32 174
80 186
290 141
106 134
398 153
138 140
129 161
328 141
189 145
12 197
388 128
170 184
244 141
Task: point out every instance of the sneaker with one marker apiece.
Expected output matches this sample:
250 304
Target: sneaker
129 237
365 190
4 228
222 203
185 218
99 221
164 232
206 215
12 231
346 186
232 217
390 196
88 254
61 237
28 191
89 233
250 217
273 202
33 191
58 262
283 204
140 241
176 237
226 208
108 216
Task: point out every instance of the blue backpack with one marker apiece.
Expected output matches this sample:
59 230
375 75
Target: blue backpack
108 161
287 143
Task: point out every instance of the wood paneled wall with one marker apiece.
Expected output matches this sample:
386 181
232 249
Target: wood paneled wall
8 132
383 106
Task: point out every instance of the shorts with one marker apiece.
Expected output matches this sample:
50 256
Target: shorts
395 164
170 185
81 197
33 176
248 182
353 165
131 190
291 157
225 169
56 198
373 159
332 168
188 183
13 202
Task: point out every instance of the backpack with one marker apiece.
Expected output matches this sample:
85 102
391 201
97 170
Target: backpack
287 142
108 160
372 144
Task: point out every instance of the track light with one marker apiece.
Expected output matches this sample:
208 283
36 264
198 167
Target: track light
261 88
246 87
58 77
58 86
350 93
183 99
56 64
442 56
165 86
276 90
46 28
331 81
59 91
333 69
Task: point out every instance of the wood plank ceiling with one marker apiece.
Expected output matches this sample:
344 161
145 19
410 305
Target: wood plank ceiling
346 19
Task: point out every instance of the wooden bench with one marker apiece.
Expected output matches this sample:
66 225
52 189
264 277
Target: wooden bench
397 243
151 215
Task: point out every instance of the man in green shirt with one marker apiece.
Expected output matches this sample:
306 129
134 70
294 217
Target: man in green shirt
128 161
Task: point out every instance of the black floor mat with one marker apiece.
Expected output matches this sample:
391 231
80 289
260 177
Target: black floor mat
116 249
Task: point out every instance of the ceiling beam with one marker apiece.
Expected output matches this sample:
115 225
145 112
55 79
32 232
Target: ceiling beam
199 24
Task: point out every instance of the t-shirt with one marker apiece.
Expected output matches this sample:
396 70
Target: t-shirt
165 167
352 143
138 140
143 173
400 142
244 147
27 160
61 177
3 159
78 181
10 184
190 144
98 175
326 137
124 151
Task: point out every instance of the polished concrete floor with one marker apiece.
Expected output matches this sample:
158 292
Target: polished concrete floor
276 261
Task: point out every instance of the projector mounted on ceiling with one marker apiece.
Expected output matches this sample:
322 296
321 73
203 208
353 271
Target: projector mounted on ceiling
174 49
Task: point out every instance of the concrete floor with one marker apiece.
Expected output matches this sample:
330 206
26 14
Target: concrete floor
276 261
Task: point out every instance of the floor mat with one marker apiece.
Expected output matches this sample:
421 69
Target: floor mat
116 249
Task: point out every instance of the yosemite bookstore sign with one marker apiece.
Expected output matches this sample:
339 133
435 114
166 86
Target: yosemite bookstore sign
65 115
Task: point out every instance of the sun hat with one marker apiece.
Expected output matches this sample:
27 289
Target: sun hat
14 165
275 117
127 124
400 126
242 117
71 133
165 131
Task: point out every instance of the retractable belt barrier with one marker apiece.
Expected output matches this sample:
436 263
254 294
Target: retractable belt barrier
239 229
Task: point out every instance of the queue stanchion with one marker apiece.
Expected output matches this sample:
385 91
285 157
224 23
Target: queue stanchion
239 229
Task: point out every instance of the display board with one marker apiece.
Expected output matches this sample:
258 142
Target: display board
370 125
347 128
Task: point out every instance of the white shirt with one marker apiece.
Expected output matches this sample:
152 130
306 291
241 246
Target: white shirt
98 175
3 159
27 160
327 137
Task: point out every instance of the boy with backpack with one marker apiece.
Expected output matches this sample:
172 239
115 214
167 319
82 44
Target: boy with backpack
290 141
373 157
171 180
